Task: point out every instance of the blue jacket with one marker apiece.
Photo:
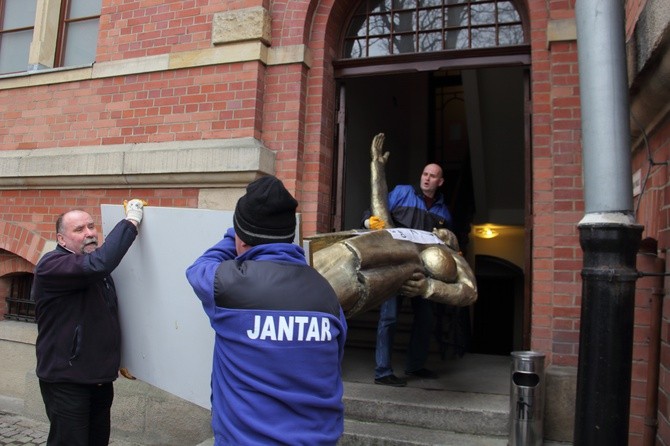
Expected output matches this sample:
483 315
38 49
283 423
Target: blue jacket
408 209
280 334
78 331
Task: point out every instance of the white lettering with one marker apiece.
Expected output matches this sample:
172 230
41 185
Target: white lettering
301 321
325 329
289 328
313 331
257 325
269 330
285 328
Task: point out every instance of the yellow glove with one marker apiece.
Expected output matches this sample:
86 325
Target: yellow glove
134 209
375 222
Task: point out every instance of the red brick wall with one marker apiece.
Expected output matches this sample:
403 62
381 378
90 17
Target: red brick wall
194 104
557 188
648 297
654 213
28 217
132 28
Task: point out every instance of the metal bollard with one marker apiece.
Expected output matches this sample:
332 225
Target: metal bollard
526 399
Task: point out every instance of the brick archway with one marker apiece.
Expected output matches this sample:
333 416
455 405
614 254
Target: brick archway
23 243
10 264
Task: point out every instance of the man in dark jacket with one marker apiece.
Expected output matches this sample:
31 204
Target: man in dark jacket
416 208
279 327
79 336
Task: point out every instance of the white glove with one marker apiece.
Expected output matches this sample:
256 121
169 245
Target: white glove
134 209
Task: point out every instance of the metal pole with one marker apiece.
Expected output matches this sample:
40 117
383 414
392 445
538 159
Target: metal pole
603 89
608 234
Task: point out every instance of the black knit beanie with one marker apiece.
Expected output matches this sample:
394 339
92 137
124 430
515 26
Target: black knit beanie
266 213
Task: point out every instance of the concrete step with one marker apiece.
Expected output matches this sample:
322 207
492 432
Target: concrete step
468 408
459 412
468 405
362 433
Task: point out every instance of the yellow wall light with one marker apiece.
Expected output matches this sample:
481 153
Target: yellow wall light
485 232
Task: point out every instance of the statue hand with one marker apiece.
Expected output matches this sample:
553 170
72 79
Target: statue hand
417 285
376 149
448 237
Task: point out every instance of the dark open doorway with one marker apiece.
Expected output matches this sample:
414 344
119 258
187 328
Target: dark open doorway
472 122
500 285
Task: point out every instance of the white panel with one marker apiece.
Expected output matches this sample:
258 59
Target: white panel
167 339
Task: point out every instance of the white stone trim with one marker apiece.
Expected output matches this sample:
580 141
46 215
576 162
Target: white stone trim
208 163
220 55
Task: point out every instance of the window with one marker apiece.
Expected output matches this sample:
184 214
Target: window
20 305
60 33
80 20
16 34
389 27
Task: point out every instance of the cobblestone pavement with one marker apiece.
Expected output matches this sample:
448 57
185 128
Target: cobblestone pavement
19 431
16 430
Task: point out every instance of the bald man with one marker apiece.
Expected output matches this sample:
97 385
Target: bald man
416 208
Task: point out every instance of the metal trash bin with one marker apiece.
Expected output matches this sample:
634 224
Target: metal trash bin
526 399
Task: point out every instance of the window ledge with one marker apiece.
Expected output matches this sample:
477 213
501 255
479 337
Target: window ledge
44 70
15 331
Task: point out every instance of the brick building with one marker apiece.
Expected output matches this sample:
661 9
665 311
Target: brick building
185 102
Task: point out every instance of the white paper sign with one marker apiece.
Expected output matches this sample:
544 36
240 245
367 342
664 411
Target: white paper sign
415 236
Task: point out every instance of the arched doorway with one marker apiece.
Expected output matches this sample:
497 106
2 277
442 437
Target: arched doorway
497 311
446 82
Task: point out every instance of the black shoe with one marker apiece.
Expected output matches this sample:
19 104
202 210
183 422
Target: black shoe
391 380
422 373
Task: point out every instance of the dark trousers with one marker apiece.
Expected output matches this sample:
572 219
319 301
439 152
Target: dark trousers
419 342
79 413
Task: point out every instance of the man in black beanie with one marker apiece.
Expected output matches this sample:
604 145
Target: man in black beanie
280 330
266 213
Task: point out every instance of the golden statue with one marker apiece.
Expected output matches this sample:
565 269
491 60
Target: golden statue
367 267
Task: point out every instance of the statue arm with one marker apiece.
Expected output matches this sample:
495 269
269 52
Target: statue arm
378 187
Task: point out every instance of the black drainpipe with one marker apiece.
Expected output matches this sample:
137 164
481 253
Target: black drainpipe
608 234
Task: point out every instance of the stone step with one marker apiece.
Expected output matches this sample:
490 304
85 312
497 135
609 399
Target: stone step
362 433
468 405
459 412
